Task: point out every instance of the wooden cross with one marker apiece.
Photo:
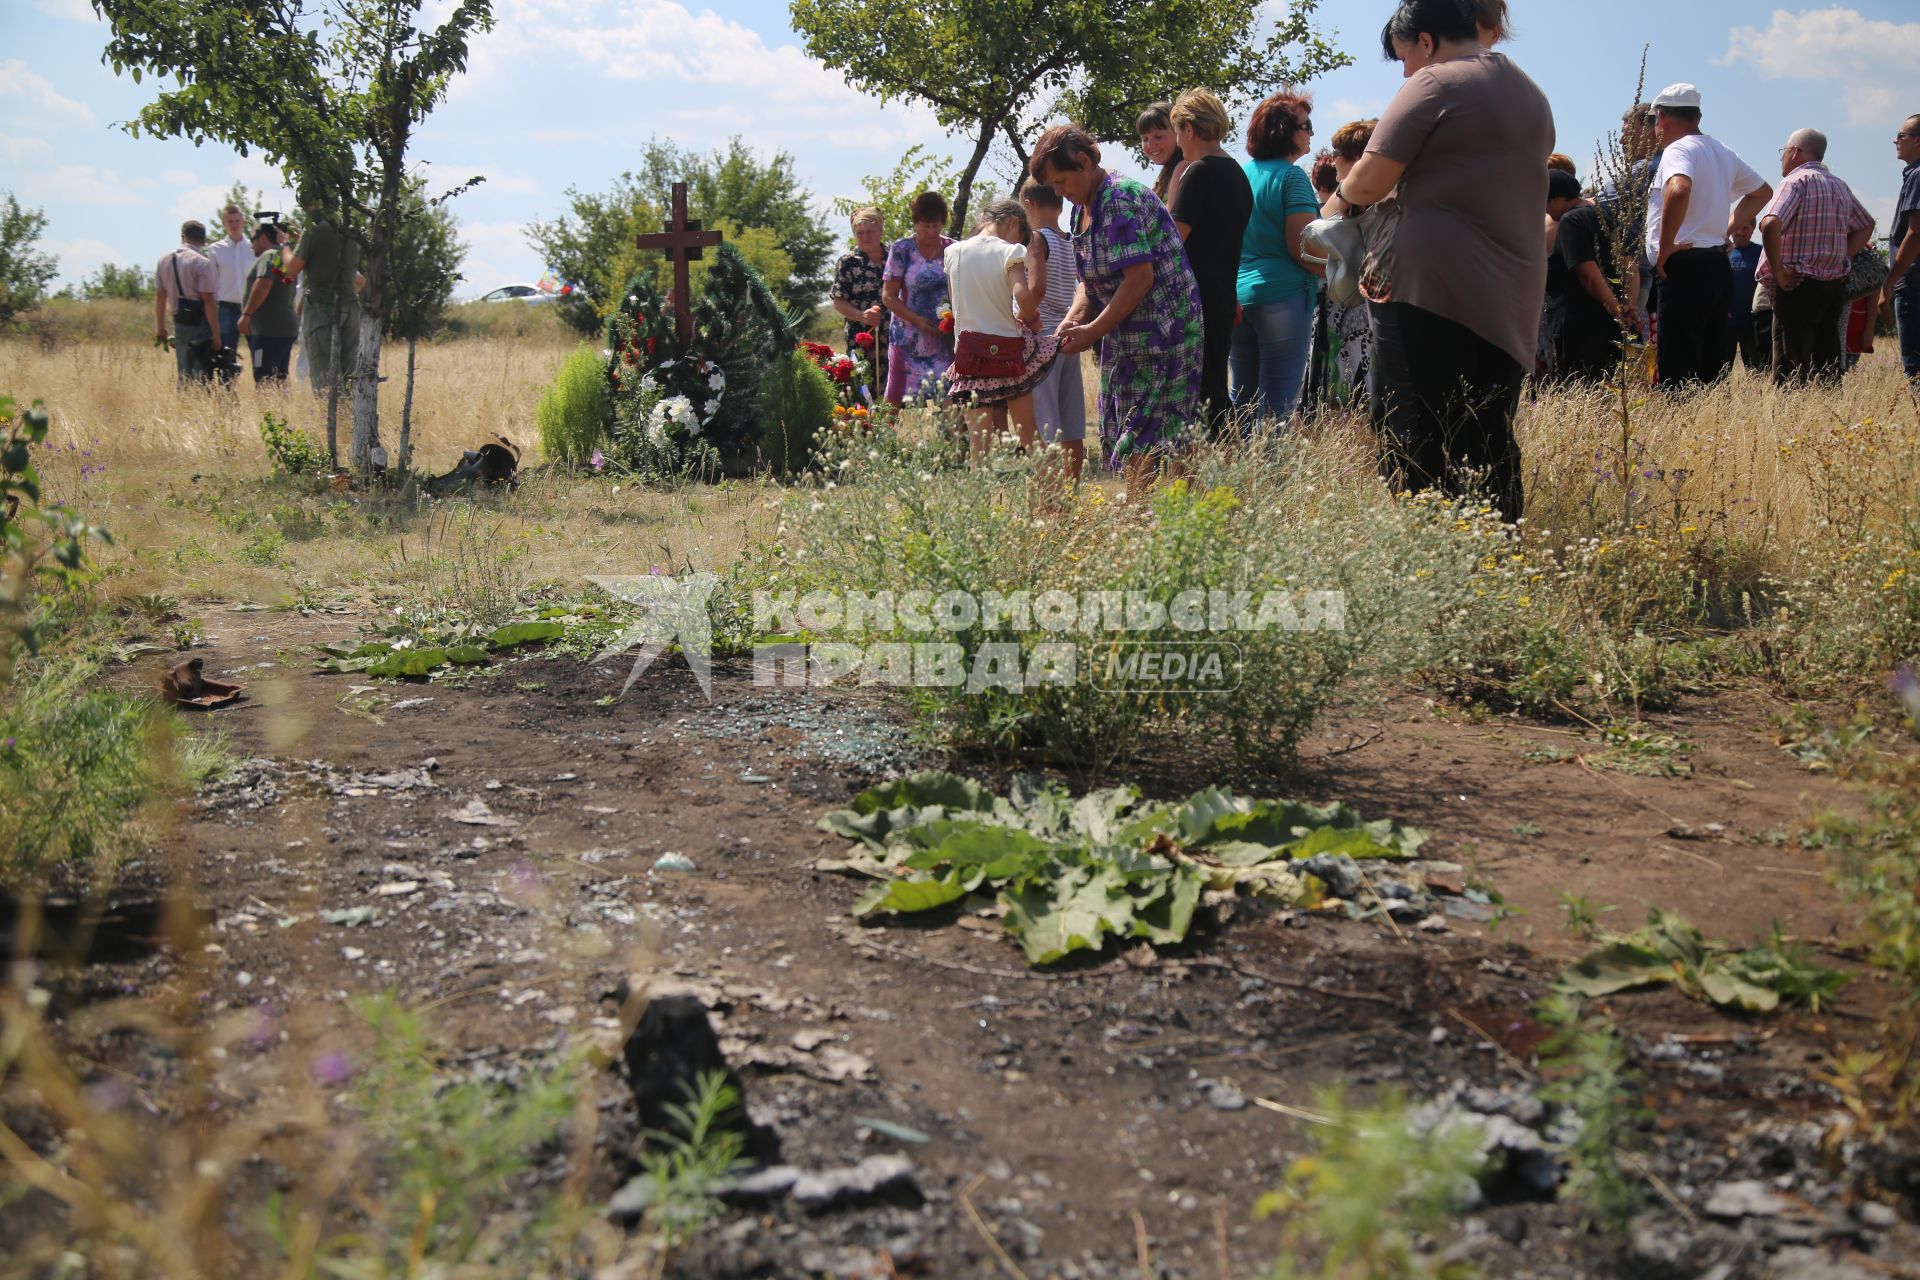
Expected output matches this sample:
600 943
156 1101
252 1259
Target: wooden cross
681 242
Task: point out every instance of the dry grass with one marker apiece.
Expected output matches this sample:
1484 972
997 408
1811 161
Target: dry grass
177 476
1760 472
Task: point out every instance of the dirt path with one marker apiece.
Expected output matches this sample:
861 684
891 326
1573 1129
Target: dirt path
510 885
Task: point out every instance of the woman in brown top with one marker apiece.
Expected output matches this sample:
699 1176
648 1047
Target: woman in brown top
1456 278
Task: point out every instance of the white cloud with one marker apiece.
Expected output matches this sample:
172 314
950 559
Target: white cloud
1870 62
497 254
82 184
30 101
660 42
444 176
1343 111
20 150
81 258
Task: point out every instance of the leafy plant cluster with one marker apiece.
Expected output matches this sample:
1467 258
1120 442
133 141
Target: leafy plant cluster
1591 1076
1376 1187
24 271
1072 874
457 646
294 454
35 539
1669 950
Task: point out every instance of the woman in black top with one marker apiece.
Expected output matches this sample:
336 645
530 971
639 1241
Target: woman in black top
1211 208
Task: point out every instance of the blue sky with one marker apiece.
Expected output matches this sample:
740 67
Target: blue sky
564 92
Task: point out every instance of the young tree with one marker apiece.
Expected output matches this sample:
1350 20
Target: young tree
1002 67
731 189
425 268
330 90
24 274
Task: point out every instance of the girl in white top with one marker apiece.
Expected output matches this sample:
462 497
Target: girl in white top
996 287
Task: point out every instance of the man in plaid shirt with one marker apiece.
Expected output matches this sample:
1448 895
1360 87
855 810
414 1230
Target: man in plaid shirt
1811 229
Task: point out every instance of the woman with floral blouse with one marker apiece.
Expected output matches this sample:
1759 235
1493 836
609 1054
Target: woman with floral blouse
1137 300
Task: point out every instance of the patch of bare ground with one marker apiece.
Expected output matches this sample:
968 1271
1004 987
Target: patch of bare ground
502 838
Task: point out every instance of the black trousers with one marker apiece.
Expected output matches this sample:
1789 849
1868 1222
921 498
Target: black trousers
1755 353
1443 402
1806 331
1695 300
1217 320
271 356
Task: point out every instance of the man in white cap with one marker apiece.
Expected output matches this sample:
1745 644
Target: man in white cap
1688 226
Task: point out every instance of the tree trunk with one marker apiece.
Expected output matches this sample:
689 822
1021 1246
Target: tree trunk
1020 153
333 387
406 413
958 229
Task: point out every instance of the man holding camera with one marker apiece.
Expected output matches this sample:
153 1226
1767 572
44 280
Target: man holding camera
186 287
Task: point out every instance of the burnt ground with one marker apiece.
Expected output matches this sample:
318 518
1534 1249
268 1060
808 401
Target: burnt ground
503 836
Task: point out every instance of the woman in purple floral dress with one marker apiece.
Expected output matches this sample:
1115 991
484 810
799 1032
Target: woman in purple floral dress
1137 300
918 353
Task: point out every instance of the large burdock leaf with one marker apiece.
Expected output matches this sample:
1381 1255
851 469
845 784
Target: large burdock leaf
904 897
519 633
1668 949
1619 966
1075 912
1166 918
409 662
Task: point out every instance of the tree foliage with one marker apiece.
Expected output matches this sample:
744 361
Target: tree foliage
426 266
993 68
760 205
329 90
892 194
24 272
129 283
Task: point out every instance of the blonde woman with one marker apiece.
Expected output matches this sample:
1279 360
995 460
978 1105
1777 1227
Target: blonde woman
1210 211
858 283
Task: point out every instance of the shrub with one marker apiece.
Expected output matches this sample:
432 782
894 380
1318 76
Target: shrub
796 403
293 452
572 416
1301 526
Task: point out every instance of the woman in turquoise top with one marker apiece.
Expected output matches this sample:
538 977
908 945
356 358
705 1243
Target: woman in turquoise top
1277 290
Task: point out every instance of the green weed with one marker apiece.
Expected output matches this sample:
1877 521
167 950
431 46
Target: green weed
1373 1188
1590 1075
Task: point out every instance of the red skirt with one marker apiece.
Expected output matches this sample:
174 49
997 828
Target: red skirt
1037 353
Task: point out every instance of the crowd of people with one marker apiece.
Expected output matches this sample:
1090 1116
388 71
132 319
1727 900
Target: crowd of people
274 286
1482 259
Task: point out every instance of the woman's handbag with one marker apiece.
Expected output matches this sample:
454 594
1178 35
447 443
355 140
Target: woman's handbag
989 355
1868 274
1340 246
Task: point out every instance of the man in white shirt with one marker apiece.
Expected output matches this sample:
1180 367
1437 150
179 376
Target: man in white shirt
1688 227
233 258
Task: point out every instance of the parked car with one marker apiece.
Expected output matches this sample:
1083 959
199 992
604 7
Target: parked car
517 293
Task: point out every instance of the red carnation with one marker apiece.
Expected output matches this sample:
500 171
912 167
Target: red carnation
652 343
946 324
864 341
